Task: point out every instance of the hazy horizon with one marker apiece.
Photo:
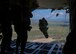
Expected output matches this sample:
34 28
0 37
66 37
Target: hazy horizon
40 13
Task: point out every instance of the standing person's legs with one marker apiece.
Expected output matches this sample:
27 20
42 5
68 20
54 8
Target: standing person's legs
21 38
23 41
21 30
18 43
17 30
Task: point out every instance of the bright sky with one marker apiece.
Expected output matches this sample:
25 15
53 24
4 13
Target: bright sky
39 13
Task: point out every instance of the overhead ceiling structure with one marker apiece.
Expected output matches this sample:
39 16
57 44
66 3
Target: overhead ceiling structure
52 3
